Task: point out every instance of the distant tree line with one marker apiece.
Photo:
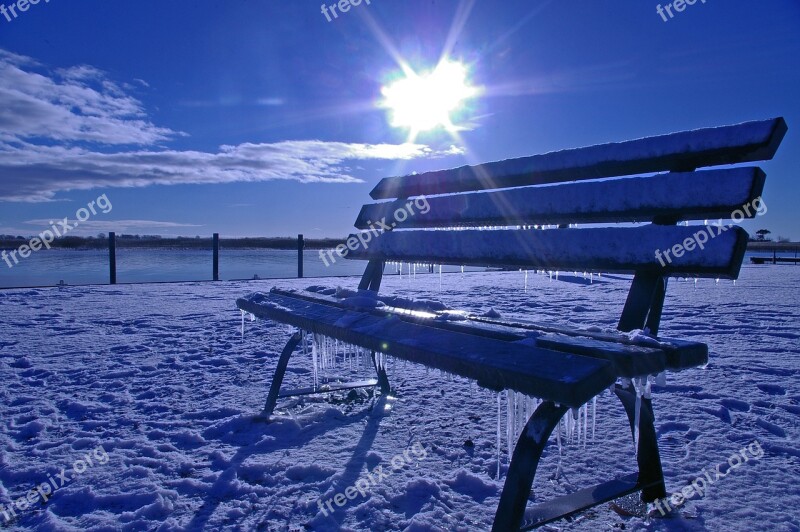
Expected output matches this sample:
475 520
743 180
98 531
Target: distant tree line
762 235
180 242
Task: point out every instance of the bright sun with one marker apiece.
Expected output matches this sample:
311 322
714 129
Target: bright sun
424 102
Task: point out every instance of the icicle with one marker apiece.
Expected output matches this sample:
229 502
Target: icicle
242 325
567 428
637 414
594 416
462 270
315 362
585 424
509 422
498 436
560 449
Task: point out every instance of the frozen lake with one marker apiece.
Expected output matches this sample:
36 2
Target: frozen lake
135 265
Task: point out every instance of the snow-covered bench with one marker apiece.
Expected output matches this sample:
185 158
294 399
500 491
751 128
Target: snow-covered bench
564 368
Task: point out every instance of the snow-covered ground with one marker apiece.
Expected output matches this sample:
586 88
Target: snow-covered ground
156 385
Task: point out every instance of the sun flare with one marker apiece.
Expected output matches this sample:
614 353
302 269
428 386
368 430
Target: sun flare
422 102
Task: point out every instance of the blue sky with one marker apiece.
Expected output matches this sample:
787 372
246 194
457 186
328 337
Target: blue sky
258 117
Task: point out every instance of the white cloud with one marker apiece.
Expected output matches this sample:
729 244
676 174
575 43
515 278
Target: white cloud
93 226
34 173
70 105
270 101
74 129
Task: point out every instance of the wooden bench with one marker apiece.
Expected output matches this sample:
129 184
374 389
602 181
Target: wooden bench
563 367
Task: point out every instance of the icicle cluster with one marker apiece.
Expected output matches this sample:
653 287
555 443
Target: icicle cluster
411 267
575 428
329 354
519 408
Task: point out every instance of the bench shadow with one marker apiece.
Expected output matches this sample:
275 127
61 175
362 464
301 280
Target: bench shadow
354 466
247 449
617 277
579 279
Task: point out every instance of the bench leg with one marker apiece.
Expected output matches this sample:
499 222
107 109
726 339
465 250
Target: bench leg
280 371
525 460
651 475
383 379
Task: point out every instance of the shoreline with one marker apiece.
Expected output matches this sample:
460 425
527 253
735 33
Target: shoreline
256 243
181 243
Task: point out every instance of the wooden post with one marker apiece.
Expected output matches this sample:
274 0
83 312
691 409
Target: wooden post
216 256
112 258
300 246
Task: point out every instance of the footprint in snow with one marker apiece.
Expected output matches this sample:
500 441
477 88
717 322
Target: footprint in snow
772 389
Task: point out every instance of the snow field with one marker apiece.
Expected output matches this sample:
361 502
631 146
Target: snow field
160 376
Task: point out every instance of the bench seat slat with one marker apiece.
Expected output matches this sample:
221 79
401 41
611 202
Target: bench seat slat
566 379
628 359
617 249
679 354
702 195
687 150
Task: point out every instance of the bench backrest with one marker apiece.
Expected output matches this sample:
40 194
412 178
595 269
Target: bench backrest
601 184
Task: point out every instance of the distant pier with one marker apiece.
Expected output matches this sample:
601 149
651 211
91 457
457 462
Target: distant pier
783 248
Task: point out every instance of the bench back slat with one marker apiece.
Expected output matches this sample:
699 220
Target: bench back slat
702 195
688 150
609 249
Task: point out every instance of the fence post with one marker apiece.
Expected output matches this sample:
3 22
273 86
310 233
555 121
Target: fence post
216 256
112 258
300 246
